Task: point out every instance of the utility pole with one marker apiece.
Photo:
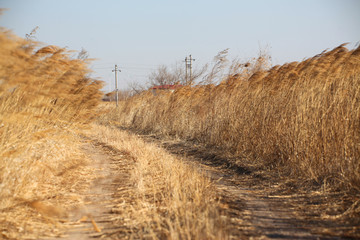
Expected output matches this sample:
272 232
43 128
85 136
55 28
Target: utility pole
186 70
116 84
188 65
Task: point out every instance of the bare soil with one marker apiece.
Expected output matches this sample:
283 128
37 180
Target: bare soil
100 216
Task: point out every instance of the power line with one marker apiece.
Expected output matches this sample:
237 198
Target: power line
100 68
124 64
130 68
139 68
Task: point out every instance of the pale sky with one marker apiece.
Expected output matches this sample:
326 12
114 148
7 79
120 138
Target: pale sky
140 35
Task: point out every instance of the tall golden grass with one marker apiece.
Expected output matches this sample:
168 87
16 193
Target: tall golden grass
45 95
301 117
169 199
46 100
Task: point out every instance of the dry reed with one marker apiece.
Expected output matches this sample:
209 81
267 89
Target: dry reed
301 118
171 200
45 95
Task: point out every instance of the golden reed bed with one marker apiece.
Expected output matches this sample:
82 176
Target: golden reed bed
302 118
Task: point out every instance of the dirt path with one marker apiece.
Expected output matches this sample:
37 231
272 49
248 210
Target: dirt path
261 207
258 208
98 217
257 214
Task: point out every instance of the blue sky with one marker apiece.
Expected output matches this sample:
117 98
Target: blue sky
140 35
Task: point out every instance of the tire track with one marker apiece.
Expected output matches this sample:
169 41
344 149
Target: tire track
254 209
247 197
100 216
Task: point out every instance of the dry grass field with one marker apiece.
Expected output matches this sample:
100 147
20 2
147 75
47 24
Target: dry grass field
62 151
47 103
301 119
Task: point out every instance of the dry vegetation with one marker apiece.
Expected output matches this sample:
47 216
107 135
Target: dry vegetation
169 200
46 103
301 119
45 95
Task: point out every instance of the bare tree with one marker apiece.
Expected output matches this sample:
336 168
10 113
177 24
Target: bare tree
162 76
175 74
135 88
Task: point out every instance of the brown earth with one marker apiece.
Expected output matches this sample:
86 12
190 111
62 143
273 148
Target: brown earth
99 216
